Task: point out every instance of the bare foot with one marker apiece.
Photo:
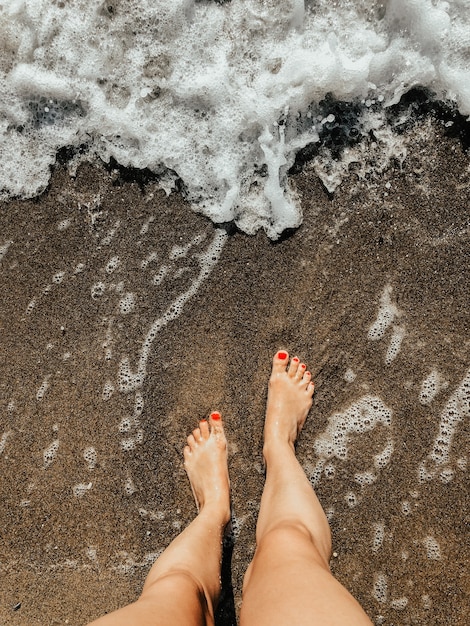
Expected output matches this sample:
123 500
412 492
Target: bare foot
205 461
290 394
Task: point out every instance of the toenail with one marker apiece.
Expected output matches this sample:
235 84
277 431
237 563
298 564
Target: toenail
303 366
282 355
215 416
295 359
307 374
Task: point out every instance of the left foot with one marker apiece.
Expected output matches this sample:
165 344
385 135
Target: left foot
205 462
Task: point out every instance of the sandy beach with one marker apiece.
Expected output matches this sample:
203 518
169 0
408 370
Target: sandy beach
93 486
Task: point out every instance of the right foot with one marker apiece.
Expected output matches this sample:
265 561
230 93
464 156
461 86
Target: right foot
290 394
205 462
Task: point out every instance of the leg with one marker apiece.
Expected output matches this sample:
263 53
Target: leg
289 580
183 585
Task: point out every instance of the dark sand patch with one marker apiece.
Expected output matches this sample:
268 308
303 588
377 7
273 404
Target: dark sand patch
65 557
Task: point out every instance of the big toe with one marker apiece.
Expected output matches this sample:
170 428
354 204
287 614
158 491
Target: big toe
216 424
280 361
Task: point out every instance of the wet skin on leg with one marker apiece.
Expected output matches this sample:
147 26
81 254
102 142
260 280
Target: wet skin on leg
289 580
183 585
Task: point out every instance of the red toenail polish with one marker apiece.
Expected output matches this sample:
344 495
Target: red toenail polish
303 366
295 359
307 374
215 416
282 355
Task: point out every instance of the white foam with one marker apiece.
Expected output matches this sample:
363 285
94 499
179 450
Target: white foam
58 278
362 416
378 535
380 588
349 375
386 314
81 489
108 390
129 487
112 265
90 456
399 604
433 550
130 380
50 453
153 256
438 461
127 303
398 333
3 440
4 249
223 96
97 290
406 508
42 389
430 387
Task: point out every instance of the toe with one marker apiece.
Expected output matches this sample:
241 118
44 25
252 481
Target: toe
216 423
310 388
186 452
197 435
191 442
204 428
293 367
280 361
307 377
301 371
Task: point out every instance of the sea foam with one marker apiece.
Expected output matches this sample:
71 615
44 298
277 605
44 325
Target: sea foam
221 95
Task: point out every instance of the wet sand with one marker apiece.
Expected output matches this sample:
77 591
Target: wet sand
82 523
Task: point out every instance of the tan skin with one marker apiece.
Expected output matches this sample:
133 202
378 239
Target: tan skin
289 580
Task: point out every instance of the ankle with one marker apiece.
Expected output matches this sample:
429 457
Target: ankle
275 448
216 513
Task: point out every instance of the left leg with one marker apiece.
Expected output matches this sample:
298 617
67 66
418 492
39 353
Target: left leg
183 585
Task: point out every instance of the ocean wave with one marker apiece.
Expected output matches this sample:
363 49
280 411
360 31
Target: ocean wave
221 96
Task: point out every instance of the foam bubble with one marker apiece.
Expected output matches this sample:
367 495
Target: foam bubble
127 304
160 275
387 312
50 453
433 550
430 387
63 224
362 416
42 389
108 390
439 459
349 375
365 478
58 278
399 604
153 256
398 332
81 489
380 588
378 536
351 499
97 290
4 249
406 508
129 487
112 265
3 440
90 456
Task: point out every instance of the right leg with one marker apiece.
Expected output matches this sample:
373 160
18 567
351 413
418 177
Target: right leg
289 580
